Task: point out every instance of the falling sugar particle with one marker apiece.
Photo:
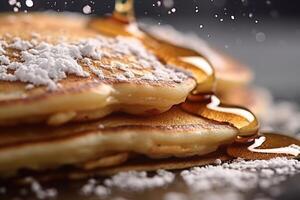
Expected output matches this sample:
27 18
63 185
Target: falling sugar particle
158 3
232 17
268 2
168 3
173 10
18 4
256 21
250 15
29 3
87 9
244 2
12 2
201 26
260 37
221 20
16 9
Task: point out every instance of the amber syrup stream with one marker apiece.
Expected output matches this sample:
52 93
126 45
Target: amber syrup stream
202 101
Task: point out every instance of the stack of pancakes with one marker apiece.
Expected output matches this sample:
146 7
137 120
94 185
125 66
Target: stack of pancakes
75 103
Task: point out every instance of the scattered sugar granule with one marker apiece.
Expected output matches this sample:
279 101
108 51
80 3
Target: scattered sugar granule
87 9
240 175
29 3
39 191
133 181
3 44
4 60
18 4
138 181
101 191
16 9
89 187
218 162
20 44
12 2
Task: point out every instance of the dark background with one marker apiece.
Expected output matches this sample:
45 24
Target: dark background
265 34
284 8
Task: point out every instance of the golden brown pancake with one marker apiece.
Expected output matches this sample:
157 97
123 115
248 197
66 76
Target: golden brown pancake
83 75
171 134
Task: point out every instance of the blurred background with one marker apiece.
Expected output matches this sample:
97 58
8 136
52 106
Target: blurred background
264 34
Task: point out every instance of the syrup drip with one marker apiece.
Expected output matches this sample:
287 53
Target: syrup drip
210 107
202 101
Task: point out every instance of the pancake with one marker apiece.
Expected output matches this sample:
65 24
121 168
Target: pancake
171 134
60 72
229 72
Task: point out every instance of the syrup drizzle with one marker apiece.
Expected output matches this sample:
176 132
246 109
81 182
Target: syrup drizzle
202 101
292 149
266 146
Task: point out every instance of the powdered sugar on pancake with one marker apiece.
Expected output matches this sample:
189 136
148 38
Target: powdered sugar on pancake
44 64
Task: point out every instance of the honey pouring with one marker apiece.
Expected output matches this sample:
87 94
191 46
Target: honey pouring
250 143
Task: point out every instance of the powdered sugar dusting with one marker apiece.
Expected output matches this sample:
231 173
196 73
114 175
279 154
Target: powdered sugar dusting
240 175
44 64
139 181
232 179
39 191
128 181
